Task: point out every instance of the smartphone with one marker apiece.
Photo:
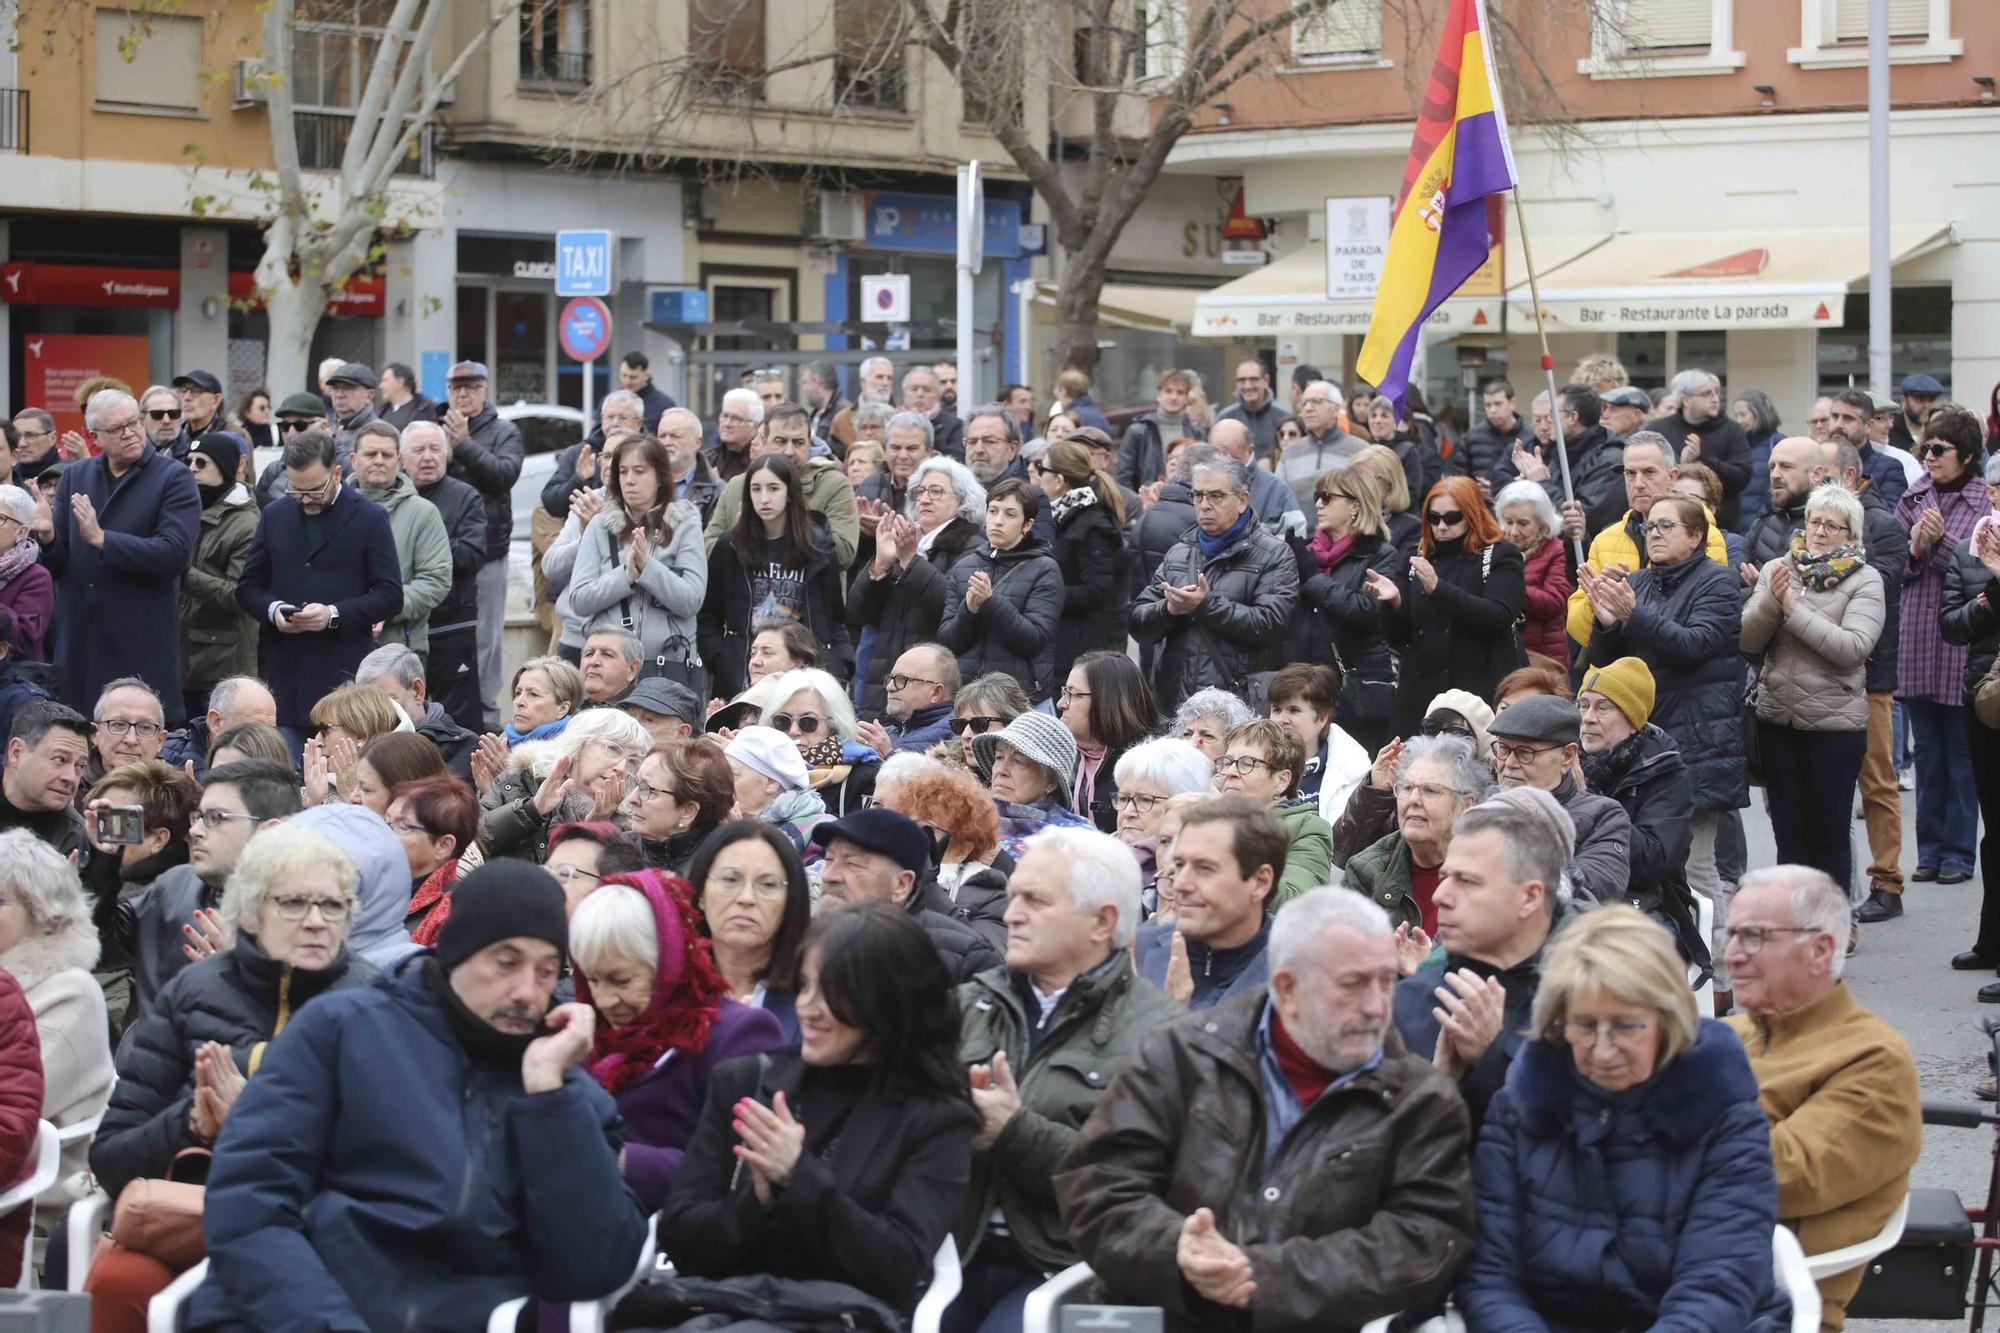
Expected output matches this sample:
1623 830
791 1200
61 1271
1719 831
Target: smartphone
121 825
288 609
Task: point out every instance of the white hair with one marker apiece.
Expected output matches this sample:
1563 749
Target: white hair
328 366
1332 390
227 695
1692 381
391 659
1818 904
746 402
1658 441
971 495
904 765
832 697
881 361
1299 931
615 921
1211 702
1830 495
427 427
1530 493
907 420
277 857
1234 470
103 401
155 390
1097 869
624 398
16 504
45 883
1170 762
594 724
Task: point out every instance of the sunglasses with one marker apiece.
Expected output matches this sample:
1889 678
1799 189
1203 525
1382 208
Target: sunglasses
164 414
976 726
292 423
807 723
1444 518
1434 729
1934 450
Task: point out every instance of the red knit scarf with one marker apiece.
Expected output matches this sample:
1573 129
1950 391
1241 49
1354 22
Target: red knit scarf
687 990
1329 552
1306 1075
434 893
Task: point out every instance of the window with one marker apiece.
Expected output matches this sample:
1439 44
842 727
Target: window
1661 39
333 53
726 40
868 56
555 42
1102 56
1164 37
1349 30
148 62
1833 34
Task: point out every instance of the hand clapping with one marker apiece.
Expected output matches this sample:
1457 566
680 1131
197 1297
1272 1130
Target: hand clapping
772 1142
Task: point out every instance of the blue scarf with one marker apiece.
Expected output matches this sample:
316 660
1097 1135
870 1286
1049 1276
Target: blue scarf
541 733
1211 547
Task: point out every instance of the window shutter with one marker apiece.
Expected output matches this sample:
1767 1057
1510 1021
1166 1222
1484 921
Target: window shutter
1347 28
1652 25
1907 18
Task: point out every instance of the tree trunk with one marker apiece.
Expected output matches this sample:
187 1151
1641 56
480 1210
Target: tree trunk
294 309
1076 318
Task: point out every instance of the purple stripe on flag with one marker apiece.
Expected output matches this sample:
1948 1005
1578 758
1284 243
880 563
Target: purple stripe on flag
1462 248
1478 164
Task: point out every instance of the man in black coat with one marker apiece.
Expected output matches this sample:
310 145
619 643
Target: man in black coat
1490 442
452 662
1702 432
635 375
402 405
486 454
1797 465
920 394
321 574
123 528
877 855
1596 457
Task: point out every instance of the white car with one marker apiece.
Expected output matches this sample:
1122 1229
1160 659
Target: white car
546 430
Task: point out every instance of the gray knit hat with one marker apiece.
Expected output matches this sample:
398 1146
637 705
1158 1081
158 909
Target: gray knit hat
1036 736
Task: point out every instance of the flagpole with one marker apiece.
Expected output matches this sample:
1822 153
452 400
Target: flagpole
1548 361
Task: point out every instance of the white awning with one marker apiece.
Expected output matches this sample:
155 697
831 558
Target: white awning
1775 278
1288 295
1135 306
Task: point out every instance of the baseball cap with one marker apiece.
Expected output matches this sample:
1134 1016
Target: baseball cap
1626 395
200 379
669 698
466 372
881 830
354 372
1923 386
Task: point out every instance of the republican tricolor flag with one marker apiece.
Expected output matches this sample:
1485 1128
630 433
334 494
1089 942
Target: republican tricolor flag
1438 234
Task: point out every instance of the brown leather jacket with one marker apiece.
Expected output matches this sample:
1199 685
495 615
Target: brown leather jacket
1366 1209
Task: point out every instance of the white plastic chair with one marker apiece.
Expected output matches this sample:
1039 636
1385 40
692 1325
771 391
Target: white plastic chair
505 1317
1789 1265
1704 924
163 1312
1039 1314
1832 1262
589 1316
944 1288
41 1174
87 1220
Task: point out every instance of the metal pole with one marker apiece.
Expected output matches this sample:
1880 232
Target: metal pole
589 396
1548 363
1880 371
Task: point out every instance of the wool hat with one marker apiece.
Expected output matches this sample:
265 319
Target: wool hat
222 448
879 829
1037 736
502 900
768 751
669 698
1539 717
1627 682
1469 706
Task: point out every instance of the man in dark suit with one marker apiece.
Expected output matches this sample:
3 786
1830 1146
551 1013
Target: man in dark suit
122 534
321 574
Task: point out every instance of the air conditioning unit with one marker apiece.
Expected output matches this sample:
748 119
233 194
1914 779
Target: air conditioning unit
842 217
245 83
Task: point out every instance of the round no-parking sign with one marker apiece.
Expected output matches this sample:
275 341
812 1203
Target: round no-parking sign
585 328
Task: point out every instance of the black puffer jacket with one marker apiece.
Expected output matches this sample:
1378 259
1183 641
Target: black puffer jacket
1969 614
1090 551
1253 588
1645 774
1482 448
240 997
966 952
904 607
1686 623
1159 529
1338 622
1725 448
489 461
1770 537
1888 548
1460 635
1015 629
728 619
1596 469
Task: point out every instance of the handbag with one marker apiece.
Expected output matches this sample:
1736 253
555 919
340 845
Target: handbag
798 1304
162 1218
1986 696
676 659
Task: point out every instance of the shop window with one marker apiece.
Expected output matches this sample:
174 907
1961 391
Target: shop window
869 68
555 42
1922 341
148 62
726 40
1661 39
1833 34
1346 33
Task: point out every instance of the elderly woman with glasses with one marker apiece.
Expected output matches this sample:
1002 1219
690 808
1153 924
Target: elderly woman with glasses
1149 775
289 903
1370 813
1624 1174
581 774
896 599
1815 616
683 793
812 709
1437 780
1027 765
1530 522
436 819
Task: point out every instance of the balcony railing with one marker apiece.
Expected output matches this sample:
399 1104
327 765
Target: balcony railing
13 120
567 68
323 143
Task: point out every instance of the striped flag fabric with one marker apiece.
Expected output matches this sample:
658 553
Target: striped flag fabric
1438 235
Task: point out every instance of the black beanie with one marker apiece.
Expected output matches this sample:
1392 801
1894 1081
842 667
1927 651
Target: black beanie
499 901
225 449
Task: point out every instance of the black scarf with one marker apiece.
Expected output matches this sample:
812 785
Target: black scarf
481 1040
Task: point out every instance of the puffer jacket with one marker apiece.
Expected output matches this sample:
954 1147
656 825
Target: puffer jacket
665 599
1363 1210
1646 775
240 997
1815 671
1253 587
1618 544
1089 548
1596 469
1686 624
1546 586
1062 1064
1770 537
441 1188
509 823
1888 555
1159 530
1309 855
21 1092
1651 1208
1460 635
1337 621
218 638
1381 871
904 608
1014 630
1142 456
1971 615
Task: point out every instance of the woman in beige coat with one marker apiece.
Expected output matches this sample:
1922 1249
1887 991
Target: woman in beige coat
1815 615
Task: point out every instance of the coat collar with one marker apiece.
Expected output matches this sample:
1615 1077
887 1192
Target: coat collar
1679 1103
1228 1032
39 957
1829 1010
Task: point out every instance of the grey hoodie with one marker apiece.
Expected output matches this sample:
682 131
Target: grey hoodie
384 889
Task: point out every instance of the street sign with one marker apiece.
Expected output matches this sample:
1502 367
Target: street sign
585 328
583 263
885 298
1357 237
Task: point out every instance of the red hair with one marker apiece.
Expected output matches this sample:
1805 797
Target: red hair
1481 528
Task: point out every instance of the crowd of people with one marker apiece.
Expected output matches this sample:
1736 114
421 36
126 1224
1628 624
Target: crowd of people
1279 857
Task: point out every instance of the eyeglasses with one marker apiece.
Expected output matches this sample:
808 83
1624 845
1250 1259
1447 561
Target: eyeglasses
976 726
1210 497
164 414
1444 518
1459 729
732 882
899 681
565 873
1625 1033
932 492
122 428
1750 940
291 907
806 723
1132 800
1519 754
1429 791
1315 402
1660 525
615 749
1826 527
643 790
215 819
1069 694
1241 763
119 727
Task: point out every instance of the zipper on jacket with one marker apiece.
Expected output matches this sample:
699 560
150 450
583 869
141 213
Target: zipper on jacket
284 1001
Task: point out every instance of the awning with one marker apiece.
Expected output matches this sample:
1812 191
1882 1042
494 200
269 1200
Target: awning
1288 295
1777 278
1124 305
